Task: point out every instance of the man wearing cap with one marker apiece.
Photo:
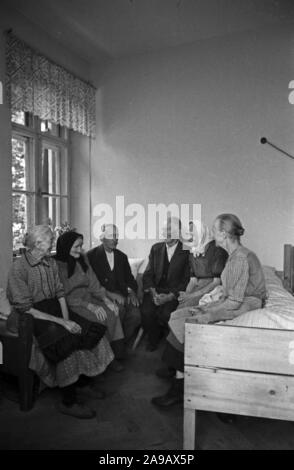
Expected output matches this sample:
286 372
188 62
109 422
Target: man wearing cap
113 271
167 274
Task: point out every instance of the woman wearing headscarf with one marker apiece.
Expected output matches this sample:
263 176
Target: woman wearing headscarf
67 345
207 262
84 294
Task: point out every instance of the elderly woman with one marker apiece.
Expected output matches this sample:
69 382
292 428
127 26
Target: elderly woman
70 344
243 287
84 294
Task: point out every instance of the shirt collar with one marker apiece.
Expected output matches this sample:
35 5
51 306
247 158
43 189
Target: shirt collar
170 248
34 261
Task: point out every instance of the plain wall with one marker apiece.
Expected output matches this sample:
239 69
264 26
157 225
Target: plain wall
80 182
184 125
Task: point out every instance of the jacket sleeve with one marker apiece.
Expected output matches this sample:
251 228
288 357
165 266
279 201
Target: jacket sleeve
149 275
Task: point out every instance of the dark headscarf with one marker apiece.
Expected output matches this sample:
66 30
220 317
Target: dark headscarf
63 247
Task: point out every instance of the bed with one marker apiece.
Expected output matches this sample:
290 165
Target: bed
244 366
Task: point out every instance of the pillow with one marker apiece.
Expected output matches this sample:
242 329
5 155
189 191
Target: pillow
135 264
5 307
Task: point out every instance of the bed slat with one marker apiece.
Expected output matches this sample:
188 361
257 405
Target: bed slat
246 393
238 348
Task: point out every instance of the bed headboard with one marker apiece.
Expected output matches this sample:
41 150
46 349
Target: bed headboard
289 267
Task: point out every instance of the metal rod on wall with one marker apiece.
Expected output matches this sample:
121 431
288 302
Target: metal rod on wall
264 140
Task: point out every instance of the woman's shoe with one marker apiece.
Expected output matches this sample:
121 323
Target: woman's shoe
76 410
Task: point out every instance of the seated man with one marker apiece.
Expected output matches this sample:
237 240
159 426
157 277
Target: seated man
113 271
167 274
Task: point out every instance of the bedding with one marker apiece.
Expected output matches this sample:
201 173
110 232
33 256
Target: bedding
278 312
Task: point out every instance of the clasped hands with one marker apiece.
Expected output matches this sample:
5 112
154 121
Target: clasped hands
200 315
160 299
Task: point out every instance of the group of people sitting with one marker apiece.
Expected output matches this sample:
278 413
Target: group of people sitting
86 308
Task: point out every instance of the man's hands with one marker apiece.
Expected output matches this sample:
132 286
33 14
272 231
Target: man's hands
133 299
118 298
161 299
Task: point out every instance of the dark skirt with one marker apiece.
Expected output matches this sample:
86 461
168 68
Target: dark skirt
173 358
56 342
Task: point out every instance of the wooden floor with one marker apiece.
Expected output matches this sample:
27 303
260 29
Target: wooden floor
126 420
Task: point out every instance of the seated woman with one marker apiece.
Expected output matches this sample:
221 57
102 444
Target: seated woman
243 290
207 262
72 345
83 292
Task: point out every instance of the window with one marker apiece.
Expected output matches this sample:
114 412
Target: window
39 174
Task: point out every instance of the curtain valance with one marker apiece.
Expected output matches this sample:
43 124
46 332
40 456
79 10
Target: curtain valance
39 86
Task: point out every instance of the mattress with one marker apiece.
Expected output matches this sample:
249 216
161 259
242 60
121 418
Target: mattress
278 311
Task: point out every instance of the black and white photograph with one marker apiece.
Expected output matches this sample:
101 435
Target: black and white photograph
147 228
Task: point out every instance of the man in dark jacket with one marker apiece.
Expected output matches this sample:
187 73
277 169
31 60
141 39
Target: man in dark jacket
113 271
167 274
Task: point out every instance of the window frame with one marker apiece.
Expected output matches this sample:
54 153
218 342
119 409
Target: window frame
37 139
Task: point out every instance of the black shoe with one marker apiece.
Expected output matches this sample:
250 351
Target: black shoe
226 418
174 395
165 372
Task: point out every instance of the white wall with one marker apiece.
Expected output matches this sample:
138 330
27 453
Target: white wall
80 185
184 126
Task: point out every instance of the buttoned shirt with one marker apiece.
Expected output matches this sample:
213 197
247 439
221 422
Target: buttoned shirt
170 250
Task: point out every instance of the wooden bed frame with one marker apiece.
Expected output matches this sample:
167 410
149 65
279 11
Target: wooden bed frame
239 370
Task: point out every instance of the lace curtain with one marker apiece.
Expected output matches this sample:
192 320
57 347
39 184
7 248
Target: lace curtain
39 86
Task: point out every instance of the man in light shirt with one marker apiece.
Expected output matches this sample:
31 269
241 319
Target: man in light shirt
167 274
113 271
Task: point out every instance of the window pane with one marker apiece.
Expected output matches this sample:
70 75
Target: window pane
19 218
50 171
51 211
19 163
50 128
18 117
